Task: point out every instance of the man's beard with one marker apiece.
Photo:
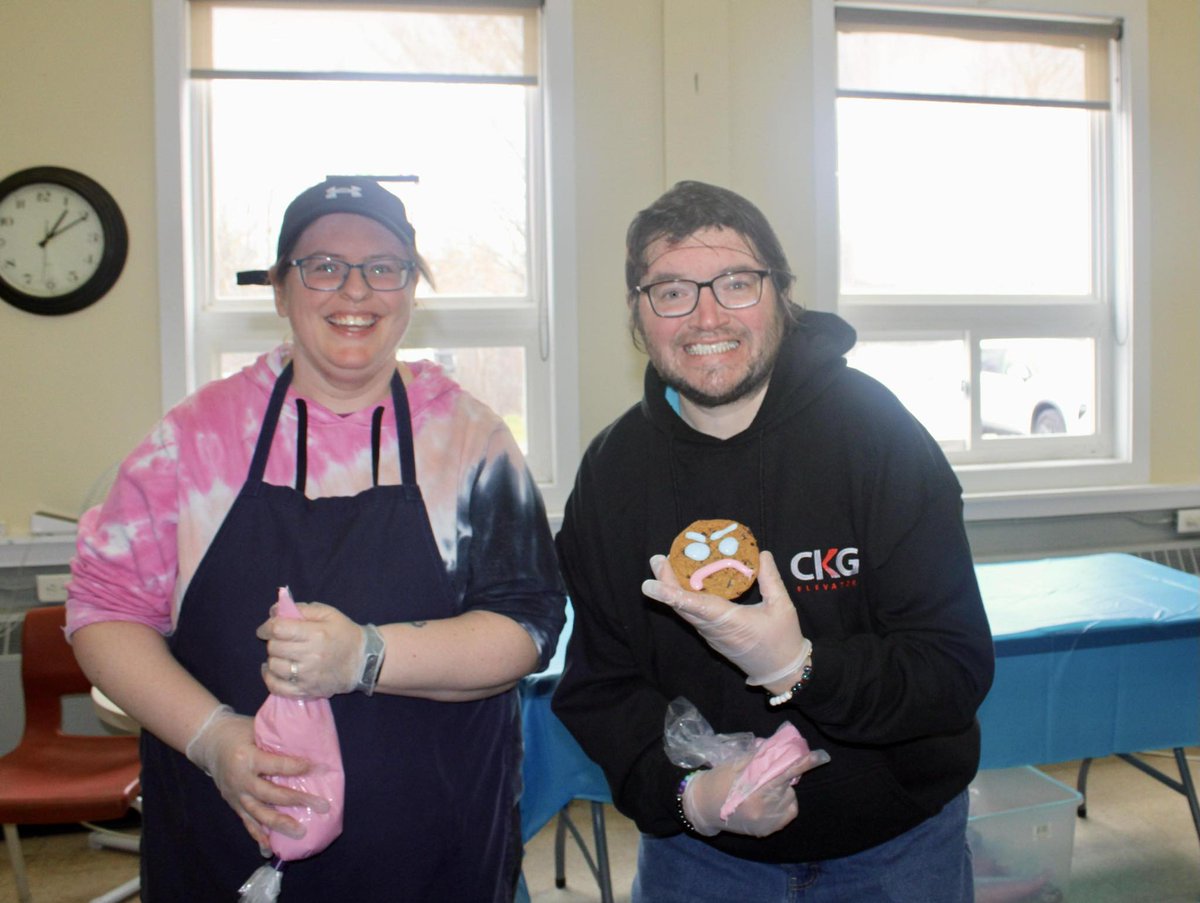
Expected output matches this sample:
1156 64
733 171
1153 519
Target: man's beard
757 372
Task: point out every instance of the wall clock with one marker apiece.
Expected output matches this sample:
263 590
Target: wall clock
62 240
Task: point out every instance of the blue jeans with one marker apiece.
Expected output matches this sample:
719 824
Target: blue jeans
929 864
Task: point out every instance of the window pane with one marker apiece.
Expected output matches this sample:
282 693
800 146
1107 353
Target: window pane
929 377
1037 387
230 362
950 198
496 376
465 143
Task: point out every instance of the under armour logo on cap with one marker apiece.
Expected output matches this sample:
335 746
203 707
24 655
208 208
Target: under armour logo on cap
361 195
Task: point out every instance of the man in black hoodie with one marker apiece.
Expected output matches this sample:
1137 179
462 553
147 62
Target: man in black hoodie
870 636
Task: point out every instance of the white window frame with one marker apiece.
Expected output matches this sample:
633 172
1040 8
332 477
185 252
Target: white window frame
1128 463
549 334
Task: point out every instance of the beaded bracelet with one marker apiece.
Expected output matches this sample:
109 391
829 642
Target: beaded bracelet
805 676
679 813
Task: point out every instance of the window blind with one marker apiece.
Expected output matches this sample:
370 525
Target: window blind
967 58
485 42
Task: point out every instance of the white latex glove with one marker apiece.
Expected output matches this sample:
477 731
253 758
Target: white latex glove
224 749
765 811
763 639
327 648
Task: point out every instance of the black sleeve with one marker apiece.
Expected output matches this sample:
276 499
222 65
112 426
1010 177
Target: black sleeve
512 566
604 697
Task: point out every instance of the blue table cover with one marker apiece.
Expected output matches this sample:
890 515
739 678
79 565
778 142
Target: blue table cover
556 770
1095 655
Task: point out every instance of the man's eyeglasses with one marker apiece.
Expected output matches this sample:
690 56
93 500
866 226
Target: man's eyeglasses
328 274
678 297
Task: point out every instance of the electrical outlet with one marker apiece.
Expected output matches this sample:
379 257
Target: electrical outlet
52 587
1187 520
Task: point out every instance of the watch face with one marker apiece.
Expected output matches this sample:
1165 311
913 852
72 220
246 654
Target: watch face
51 240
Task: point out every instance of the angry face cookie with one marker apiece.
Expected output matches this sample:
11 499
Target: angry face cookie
715 556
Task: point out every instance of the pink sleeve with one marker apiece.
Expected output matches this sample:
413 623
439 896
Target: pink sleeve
125 562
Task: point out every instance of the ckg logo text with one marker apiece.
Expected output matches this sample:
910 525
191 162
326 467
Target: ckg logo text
828 564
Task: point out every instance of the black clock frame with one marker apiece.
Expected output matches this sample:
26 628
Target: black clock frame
116 241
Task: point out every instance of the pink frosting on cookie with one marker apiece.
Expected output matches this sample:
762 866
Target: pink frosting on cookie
697 581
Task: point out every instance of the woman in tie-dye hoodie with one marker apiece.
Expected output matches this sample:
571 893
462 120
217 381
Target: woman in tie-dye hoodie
401 510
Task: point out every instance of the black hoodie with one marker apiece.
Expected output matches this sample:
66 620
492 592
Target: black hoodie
864 517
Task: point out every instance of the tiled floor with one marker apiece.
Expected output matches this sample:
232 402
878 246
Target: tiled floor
1137 845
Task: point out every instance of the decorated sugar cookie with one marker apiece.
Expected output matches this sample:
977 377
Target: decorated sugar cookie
715 556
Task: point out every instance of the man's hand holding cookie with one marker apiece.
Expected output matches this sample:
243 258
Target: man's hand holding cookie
763 639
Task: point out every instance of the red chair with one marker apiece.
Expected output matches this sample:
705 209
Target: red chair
53 777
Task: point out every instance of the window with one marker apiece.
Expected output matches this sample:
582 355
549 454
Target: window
447 106
983 176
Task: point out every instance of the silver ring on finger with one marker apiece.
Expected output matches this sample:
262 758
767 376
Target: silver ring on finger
294 672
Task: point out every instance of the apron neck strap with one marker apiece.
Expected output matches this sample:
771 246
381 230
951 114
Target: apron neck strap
262 449
404 434
376 441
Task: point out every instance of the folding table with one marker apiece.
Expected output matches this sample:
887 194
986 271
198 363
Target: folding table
1096 655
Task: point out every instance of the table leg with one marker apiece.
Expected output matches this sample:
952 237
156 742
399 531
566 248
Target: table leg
1081 786
603 876
1189 786
599 865
1185 785
560 843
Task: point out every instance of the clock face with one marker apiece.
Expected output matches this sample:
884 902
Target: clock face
62 240
51 240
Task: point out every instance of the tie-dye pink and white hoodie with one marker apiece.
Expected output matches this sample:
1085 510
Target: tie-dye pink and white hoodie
137 551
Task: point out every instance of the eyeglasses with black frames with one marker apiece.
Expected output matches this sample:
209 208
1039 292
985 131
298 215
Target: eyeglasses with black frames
734 290
328 274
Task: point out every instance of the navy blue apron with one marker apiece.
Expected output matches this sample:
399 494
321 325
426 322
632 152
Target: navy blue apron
430 811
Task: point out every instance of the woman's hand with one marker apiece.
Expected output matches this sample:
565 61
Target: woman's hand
763 639
224 749
318 656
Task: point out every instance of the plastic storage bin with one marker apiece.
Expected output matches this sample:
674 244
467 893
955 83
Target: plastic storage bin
1021 830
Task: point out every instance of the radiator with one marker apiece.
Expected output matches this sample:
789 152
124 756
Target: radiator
1181 557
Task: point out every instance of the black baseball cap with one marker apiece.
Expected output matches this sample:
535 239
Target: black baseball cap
337 194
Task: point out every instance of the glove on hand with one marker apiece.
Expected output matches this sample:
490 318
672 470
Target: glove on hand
225 750
768 809
327 649
219 749
763 639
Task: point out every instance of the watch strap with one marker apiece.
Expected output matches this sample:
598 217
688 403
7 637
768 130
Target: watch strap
373 652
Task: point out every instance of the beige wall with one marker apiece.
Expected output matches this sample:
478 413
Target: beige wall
78 391
653 82
1175 239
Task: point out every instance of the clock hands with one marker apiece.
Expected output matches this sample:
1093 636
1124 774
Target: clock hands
55 231
50 231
